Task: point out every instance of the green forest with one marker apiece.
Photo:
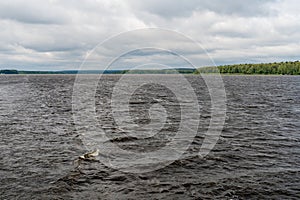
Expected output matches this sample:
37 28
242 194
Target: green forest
283 68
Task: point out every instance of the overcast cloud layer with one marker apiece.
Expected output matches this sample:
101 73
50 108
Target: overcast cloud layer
57 35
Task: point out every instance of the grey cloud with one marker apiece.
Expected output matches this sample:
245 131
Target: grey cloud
36 12
53 48
178 8
150 51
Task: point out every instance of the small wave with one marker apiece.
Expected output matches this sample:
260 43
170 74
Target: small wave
123 139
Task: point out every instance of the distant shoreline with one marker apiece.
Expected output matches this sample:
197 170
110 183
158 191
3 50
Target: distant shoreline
206 74
282 68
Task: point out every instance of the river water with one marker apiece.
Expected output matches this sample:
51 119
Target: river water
256 157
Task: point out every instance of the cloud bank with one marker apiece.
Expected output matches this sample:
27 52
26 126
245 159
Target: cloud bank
57 35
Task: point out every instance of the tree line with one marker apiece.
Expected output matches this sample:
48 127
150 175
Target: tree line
283 68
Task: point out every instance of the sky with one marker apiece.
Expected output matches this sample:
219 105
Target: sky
61 35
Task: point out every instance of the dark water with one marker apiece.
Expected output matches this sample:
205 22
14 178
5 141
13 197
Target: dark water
256 157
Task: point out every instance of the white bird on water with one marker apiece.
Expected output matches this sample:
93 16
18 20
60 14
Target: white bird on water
90 155
86 157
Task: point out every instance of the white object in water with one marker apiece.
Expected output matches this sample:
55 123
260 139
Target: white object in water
90 155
